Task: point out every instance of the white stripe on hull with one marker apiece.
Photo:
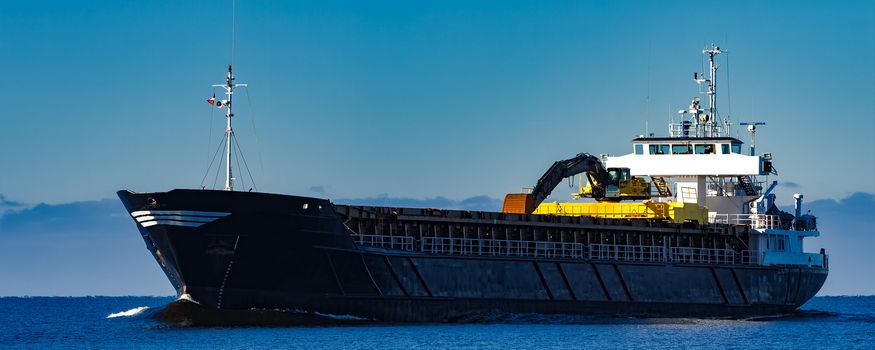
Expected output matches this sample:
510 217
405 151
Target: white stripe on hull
171 223
174 217
179 212
187 218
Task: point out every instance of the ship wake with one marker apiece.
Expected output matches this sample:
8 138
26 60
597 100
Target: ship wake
184 313
132 312
571 319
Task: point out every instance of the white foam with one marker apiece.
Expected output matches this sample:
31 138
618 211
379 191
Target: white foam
341 317
132 312
187 297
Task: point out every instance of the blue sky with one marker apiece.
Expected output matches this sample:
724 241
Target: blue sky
449 100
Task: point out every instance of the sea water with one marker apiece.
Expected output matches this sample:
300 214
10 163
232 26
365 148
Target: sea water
130 322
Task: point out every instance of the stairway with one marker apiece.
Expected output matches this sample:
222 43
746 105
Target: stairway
661 186
747 185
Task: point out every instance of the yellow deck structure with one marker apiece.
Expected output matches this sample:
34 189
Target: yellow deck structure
676 212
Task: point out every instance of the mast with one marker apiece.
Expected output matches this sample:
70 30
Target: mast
712 89
708 122
229 131
229 90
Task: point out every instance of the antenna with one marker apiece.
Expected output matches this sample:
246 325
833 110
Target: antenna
230 139
647 99
233 29
709 121
229 91
752 128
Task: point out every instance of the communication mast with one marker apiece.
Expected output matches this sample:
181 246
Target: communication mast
229 132
709 120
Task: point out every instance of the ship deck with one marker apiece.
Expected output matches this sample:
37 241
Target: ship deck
479 233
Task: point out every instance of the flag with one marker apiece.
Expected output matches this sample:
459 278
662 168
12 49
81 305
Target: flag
212 100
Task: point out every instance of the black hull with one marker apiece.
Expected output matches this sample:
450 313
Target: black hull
294 253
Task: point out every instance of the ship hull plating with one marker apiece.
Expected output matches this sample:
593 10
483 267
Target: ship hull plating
239 251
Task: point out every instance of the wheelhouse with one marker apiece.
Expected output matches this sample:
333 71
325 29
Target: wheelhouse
674 145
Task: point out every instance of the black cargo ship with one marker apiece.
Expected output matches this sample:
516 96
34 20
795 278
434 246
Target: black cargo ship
243 250
230 251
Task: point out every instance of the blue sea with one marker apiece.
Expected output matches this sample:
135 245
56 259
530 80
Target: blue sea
130 322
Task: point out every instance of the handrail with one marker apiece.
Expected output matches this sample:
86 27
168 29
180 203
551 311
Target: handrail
565 250
495 247
752 257
692 255
627 252
684 130
382 241
757 221
688 255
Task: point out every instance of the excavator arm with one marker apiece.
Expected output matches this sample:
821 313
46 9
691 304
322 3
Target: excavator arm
525 203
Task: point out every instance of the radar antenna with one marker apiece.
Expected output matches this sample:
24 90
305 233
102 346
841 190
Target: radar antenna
752 129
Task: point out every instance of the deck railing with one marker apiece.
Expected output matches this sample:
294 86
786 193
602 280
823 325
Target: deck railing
686 129
627 252
752 257
687 255
757 221
494 247
691 255
387 242
564 250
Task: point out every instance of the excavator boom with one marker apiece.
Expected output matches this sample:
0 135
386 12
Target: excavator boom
525 203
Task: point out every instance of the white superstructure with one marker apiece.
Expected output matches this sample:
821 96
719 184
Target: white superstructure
700 162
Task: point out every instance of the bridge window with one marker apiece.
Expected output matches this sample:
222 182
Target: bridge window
736 148
659 149
704 149
664 149
639 149
724 148
681 149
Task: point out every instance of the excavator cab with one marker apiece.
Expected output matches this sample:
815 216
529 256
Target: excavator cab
618 178
619 185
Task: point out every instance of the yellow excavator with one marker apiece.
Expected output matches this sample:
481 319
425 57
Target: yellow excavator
603 185
608 187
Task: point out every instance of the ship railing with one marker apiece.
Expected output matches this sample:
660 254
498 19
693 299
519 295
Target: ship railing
386 242
627 252
687 129
757 221
752 257
611 252
693 255
684 255
494 247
